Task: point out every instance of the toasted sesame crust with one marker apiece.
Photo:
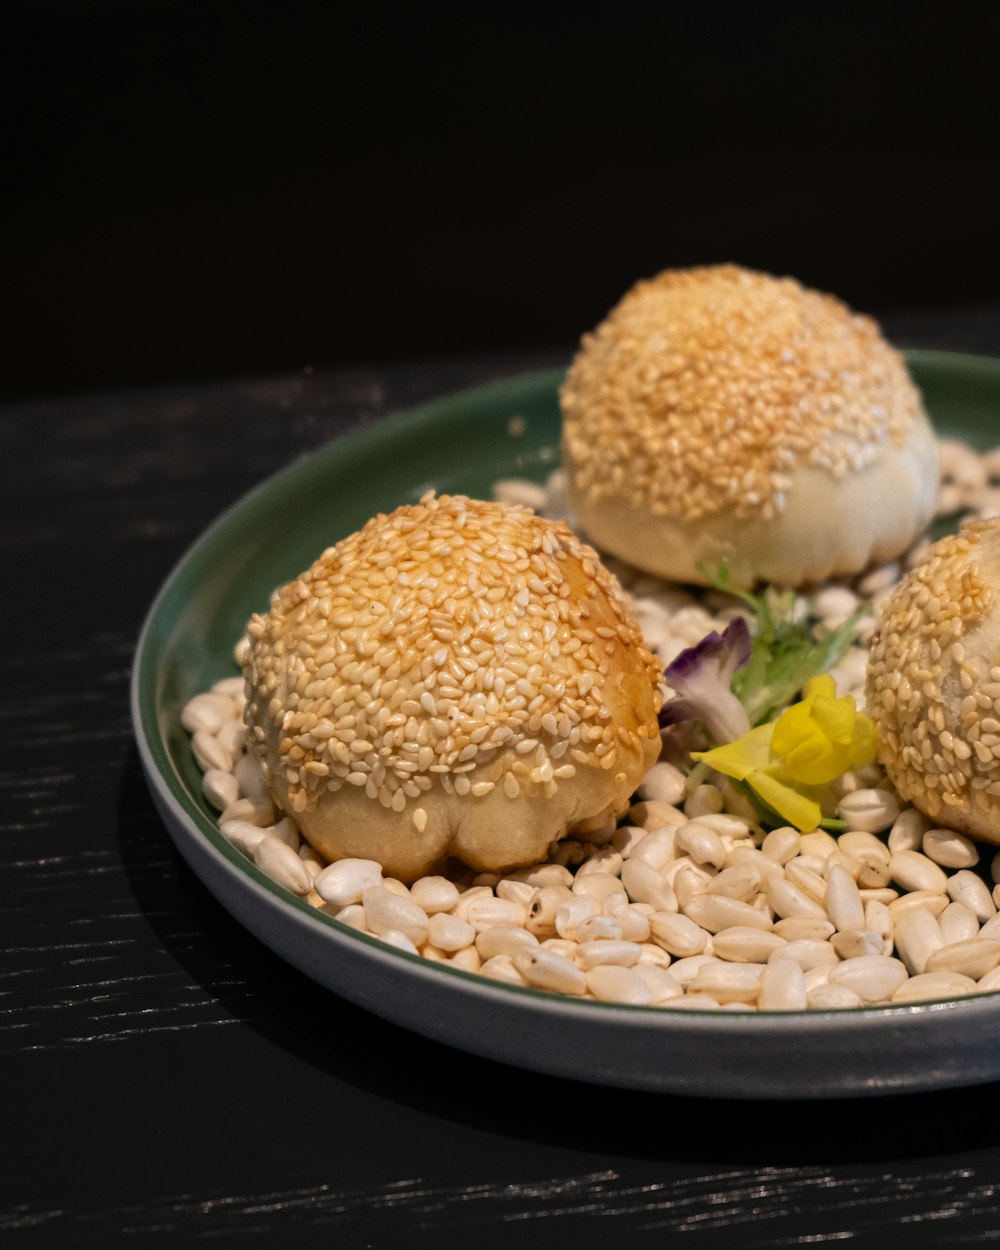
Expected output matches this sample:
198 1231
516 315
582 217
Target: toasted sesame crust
933 684
706 392
453 650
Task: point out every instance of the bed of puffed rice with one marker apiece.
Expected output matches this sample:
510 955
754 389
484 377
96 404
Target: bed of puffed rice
687 903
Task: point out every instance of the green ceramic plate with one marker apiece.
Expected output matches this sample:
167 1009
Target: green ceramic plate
464 443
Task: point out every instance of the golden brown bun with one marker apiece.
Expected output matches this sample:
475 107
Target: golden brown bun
720 414
933 684
457 678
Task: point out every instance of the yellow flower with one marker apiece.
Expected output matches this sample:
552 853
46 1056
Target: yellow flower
789 763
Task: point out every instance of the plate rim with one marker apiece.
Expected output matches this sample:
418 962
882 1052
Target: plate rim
187 825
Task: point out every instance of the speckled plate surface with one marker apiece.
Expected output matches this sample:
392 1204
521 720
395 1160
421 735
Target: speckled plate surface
464 443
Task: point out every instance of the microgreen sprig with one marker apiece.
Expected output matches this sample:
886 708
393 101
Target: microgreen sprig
785 651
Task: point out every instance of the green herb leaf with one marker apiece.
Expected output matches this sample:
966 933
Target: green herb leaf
786 651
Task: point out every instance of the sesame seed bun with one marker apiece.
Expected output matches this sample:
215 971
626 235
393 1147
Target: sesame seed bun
720 414
933 682
458 678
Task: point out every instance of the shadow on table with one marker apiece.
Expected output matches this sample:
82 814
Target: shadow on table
242 976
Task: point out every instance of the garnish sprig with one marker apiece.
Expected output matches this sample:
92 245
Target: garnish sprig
785 651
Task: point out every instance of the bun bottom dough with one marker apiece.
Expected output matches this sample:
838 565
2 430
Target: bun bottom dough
827 527
490 834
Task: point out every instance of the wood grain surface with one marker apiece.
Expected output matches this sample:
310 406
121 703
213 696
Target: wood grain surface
169 1081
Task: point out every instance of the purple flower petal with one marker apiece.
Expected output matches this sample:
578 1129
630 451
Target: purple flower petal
701 676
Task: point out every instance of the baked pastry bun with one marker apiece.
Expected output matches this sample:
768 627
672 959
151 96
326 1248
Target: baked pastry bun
933 682
721 414
458 678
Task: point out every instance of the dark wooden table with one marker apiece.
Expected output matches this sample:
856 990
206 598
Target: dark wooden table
168 1081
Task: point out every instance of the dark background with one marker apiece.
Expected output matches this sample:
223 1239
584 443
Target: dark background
217 188
195 190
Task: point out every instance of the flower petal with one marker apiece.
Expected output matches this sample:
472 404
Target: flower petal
815 760
821 685
701 681
800 810
794 724
835 717
814 737
744 756
863 742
